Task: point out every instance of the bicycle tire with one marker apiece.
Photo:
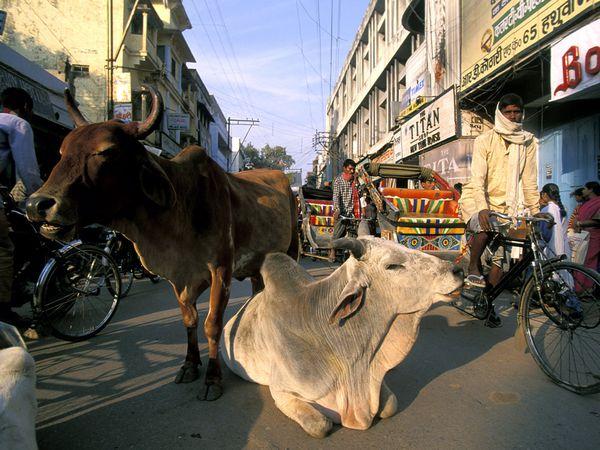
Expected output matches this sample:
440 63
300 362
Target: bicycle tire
546 316
124 264
76 283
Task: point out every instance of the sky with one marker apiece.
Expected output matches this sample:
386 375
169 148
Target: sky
275 61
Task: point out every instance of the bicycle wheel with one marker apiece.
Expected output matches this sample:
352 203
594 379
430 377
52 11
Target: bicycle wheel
125 264
78 292
562 325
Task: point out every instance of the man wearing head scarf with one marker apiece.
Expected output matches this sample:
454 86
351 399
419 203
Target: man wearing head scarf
503 179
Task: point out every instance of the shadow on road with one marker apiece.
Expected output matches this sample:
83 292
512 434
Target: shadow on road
117 390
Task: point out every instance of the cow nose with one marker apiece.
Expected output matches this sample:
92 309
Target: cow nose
458 271
37 206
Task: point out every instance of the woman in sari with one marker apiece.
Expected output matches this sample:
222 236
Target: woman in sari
589 220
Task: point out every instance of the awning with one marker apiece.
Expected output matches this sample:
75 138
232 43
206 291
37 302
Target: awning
45 89
396 170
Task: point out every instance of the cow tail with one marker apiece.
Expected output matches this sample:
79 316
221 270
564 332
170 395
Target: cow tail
293 250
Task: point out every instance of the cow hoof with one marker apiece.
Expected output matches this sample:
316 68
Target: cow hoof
187 373
212 392
318 427
389 408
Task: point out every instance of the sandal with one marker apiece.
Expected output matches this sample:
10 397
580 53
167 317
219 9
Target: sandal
477 281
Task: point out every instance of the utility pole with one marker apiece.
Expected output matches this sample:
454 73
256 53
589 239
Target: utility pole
230 122
112 57
322 142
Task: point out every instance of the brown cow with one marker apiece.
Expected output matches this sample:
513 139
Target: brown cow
190 221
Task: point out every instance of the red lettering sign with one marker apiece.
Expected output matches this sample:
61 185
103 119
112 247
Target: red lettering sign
595 68
570 62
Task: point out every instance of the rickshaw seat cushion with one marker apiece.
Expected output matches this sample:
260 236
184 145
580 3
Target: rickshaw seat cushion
434 194
320 207
427 224
433 202
321 212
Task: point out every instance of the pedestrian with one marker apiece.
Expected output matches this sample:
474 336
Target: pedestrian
588 219
346 201
369 212
458 187
427 182
503 179
327 186
555 236
578 194
20 173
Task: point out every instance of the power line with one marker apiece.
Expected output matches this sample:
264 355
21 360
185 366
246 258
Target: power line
320 53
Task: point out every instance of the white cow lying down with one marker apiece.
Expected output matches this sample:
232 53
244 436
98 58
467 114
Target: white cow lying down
18 404
323 347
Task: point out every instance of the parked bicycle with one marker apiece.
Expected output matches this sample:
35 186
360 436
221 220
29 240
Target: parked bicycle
122 251
73 288
559 309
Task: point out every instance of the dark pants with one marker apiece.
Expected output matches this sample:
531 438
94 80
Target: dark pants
6 260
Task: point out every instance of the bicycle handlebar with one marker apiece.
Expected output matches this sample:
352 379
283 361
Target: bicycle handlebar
540 217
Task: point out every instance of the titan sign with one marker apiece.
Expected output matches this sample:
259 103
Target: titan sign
494 32
431 126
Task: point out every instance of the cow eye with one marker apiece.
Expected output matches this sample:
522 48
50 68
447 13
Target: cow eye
394 266
106 152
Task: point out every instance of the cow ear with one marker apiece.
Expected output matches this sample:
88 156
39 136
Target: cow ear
350 300
155 184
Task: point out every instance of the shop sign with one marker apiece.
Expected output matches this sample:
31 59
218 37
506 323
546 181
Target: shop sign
122 87
431 126
385 157
575 62
123 111
452 161
397 145
178 121
412 107
495 32
472 125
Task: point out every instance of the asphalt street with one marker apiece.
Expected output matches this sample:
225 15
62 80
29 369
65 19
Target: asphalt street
462 386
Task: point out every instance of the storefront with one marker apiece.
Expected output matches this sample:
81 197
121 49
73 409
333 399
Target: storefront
569 153
50 122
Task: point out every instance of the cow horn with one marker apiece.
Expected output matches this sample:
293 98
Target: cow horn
73 110
142 129
356 247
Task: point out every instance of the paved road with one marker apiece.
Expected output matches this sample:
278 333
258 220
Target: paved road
463 386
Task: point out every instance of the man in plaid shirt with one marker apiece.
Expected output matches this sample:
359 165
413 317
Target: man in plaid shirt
345 200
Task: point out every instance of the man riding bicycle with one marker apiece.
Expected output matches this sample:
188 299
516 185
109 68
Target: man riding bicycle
19 171
346 201
503 179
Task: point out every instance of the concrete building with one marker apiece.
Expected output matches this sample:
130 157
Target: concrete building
371 85
220 149
90 46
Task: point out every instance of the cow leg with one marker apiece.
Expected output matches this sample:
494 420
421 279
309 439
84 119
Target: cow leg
388 404
213 327
311 420
187 304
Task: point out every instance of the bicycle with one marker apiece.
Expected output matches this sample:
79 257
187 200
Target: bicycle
73 288
559 308
122 251
352 229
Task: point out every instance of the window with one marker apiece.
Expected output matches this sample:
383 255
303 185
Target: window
136 24
160 51
174 68
80 69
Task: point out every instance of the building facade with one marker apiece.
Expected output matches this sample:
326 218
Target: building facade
105 50
423 78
